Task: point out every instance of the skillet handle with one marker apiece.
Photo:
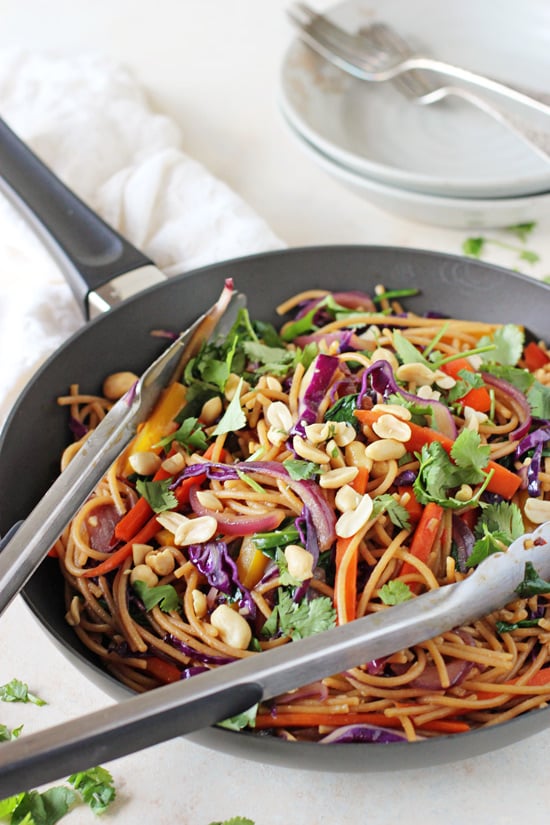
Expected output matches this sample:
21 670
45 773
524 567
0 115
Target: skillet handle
92 255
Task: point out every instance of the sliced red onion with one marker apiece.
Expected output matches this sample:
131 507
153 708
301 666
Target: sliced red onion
322 516
316 689
234 525
381 378
520 401
363 733
100 530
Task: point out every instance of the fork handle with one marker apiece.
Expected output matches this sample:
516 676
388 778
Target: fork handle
477 80
537 140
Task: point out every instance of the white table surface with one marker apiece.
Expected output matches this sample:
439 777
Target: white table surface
213 67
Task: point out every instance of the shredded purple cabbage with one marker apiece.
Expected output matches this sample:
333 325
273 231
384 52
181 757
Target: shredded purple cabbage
379 377
212 559
323 371
205 658
405 479
363 733
77 428
534 441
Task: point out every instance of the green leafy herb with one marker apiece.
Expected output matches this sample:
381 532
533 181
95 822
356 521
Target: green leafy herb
519 378
438 475
246 719
395 592
508 345
299 470
508 627
497 527
474 247
272 360
468 381
233 418
300 620
157 494
407 352
190 434
532 584
397 514
235 820
522 230
16 691
96 788
7 735
35 808
164 595
344 410
539 400
269 542
287 579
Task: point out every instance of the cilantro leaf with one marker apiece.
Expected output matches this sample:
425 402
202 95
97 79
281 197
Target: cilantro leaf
190 434
522 230
468 381
303 619
520 378
397 514
497 527
473 247
6 735
508 627
43 808
508 345
165 595
96 788
299 470
235 820
539 400
395 592
343 410
274 360
17 691
407 352
287 579
157 494
470 455
8 805
532 584
246 719
233 418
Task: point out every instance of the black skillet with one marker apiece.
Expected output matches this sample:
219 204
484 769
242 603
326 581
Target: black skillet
92 254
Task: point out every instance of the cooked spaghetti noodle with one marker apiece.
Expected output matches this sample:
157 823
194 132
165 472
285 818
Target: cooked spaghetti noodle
296 480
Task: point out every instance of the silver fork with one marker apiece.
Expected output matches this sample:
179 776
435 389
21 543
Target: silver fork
352 54
423 88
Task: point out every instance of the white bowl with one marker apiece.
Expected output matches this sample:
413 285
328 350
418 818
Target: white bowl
450 148
437 210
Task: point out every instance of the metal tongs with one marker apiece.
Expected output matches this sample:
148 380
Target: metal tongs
211 697
24 548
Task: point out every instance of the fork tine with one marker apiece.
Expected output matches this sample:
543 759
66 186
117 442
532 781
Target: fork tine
322 34
413 83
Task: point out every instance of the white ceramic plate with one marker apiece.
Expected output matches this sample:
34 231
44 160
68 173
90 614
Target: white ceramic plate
450 148
437 210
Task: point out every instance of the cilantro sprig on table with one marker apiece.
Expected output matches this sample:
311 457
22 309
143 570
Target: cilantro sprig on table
474 247
17 691
94 787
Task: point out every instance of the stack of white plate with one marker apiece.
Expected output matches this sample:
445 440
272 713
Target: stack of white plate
448 164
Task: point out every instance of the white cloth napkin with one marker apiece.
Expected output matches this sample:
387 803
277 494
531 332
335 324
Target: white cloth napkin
89 120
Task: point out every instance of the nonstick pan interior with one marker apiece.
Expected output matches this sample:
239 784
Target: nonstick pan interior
37 432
